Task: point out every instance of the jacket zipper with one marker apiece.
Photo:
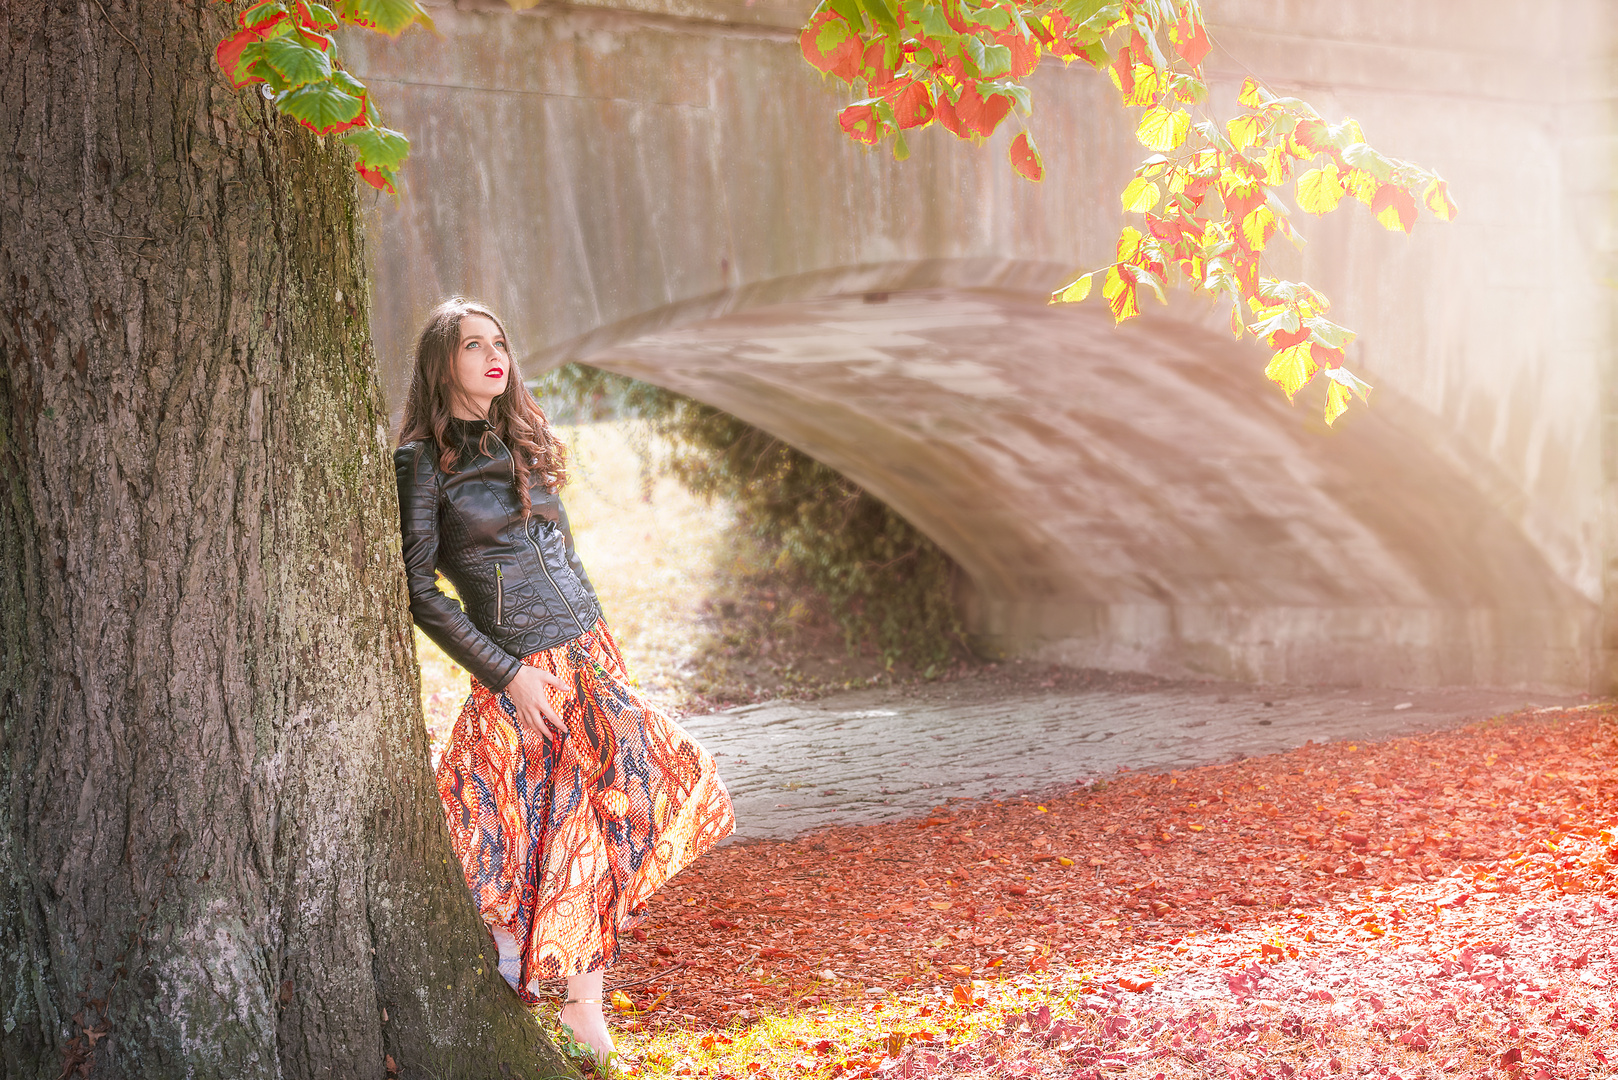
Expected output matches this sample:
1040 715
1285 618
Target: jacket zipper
537 553
499 594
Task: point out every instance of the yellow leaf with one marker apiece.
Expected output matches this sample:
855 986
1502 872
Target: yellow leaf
1064 860
1276 163
1253 95
1163 128
939 905
1362 185
1337 397
621 1002
1128 243
1120 292
1258 227
1073 291
1438 201
1244 130
1292 368
1140 195
1320 190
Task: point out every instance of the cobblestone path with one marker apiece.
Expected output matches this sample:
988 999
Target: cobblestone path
872 755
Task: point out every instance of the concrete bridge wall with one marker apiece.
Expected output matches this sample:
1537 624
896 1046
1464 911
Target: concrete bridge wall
661 189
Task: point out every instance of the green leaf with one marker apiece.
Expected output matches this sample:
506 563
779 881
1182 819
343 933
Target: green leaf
379 147
296 63
259 14
995 18
321 15
1082 11
1329 333
850 11
882 15
933 23
392 17
347 83
320 106
996 61
1363 157
901 148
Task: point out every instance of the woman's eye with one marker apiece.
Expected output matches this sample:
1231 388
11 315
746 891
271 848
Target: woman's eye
471 344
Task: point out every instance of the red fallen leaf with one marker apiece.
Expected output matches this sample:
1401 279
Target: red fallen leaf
389 1064
1134 985
638 934
770 952
664 950
1510 1057
1336 1065
824 1046
723 924
1455 901
1272 950
1355 839
962 994
1017 890
1025 159
1246 900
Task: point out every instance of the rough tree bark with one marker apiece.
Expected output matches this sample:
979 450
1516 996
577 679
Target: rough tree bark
221 853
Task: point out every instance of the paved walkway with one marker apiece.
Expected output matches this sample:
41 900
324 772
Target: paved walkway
872 755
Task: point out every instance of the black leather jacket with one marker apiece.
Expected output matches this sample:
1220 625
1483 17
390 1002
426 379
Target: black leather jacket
522 583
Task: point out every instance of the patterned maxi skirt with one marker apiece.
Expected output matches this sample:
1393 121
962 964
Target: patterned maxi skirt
563 840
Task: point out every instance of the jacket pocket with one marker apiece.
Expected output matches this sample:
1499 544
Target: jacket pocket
499 595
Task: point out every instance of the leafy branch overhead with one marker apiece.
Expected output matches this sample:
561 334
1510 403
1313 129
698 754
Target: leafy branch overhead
1209 193
289 50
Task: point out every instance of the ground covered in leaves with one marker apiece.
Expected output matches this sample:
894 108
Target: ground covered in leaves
1436 906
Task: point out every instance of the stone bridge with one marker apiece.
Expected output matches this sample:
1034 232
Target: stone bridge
659 188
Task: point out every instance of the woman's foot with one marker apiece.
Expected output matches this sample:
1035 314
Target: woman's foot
584 1020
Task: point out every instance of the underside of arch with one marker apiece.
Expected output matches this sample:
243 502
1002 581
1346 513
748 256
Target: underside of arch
1139 498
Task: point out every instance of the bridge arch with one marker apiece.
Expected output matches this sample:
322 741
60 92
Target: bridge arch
656 187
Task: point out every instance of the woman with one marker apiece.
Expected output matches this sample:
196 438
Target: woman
569 798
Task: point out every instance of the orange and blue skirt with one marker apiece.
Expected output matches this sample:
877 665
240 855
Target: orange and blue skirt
563 840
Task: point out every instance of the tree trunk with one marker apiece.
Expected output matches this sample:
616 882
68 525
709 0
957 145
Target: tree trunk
221 850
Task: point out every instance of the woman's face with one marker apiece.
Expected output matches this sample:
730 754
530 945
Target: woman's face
482 366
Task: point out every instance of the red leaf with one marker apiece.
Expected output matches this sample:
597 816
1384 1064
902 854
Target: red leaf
874 61
1241 201
1024 53
1191 41
861 123
1134 985
842 54
375 177
1283 339
1326 356
228 54
1394 207
1510 1057
946 115
1124 68
912 104
980 114
1025 158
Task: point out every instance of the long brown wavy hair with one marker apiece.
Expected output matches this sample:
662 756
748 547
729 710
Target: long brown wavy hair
514 417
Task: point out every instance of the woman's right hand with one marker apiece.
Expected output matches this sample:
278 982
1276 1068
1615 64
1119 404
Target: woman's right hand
534 709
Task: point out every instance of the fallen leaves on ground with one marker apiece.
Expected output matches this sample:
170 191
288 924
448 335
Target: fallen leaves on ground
1438 905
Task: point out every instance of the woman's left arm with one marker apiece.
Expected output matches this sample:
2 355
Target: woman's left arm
573 555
